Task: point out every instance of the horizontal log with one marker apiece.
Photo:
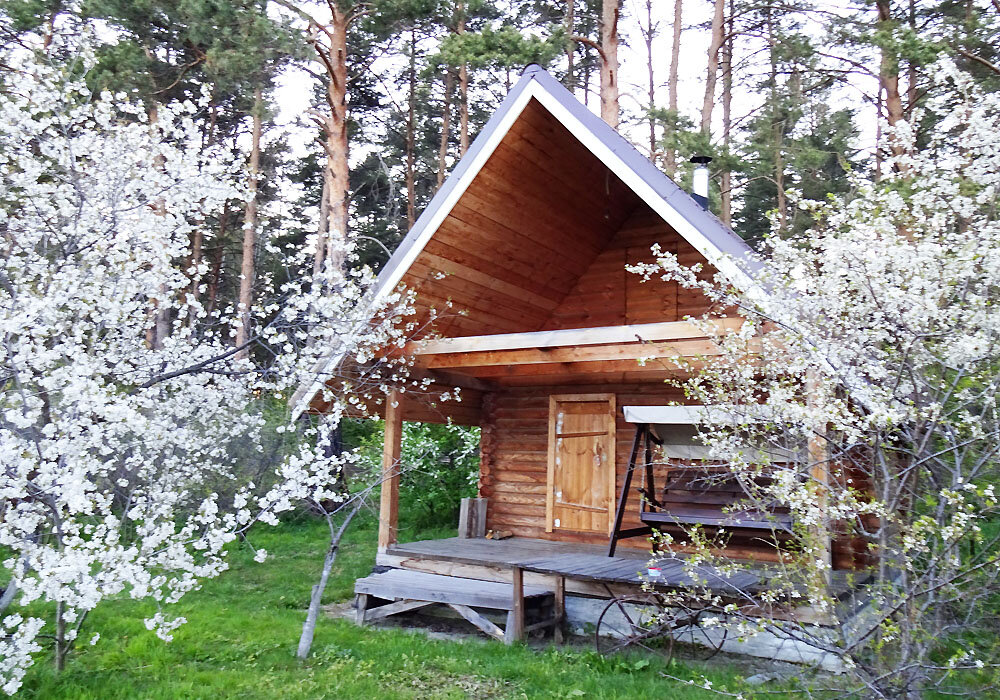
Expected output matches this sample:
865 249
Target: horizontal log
671 330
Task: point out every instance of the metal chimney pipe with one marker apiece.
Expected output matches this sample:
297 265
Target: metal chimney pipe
700 180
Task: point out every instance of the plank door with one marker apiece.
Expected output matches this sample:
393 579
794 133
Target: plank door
580 494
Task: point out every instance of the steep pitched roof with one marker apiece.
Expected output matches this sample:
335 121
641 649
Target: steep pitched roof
699 227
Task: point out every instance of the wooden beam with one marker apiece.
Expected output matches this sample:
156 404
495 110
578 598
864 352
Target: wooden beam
479 621
400 606
670 330
388 515
593 353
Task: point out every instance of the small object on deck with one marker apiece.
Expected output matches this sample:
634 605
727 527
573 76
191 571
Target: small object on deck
472 518
653 571
499 534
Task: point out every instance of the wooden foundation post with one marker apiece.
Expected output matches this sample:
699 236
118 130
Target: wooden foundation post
388 514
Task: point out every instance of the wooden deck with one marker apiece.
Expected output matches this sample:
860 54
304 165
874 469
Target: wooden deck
584 569
503 553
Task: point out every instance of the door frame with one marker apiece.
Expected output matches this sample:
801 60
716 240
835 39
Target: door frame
554 401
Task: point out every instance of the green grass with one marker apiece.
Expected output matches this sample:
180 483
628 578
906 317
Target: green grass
243 628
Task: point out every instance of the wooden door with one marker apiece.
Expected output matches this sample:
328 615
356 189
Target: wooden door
580 494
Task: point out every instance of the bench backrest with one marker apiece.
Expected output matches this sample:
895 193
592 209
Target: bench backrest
706 487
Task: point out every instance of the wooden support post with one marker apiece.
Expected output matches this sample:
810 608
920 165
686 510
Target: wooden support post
388 515
819 470
559 609
361 603
517 609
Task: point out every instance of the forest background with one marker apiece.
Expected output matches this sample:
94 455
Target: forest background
350 115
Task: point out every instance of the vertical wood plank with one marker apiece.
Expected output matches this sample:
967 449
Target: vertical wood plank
362 607
463 519
610 468
551 469
388 515
517 576
560 609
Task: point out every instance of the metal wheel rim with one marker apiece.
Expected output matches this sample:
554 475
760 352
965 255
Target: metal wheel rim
636 636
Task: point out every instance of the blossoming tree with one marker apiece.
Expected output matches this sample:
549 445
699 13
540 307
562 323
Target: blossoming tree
861 395
120 475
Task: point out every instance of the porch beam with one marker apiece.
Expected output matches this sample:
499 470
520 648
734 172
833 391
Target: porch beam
388 514
602 335
561 355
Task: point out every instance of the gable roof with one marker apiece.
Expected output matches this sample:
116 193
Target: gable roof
699 227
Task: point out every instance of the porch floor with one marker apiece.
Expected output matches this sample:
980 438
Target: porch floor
503 553
582 562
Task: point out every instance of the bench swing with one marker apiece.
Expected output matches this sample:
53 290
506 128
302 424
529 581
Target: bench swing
692 494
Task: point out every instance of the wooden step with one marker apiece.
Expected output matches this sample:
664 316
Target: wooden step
403 584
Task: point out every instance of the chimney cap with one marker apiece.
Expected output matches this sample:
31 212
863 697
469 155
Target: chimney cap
701 160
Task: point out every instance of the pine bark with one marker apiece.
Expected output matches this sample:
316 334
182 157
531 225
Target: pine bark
726 179
411 194
568 22
648 34
337 151
670 157
777 126
463 89
610 10
323 228
711 75
247 268
218 252
889 78
449 80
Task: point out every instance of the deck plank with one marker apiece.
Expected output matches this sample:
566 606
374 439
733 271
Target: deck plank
402 584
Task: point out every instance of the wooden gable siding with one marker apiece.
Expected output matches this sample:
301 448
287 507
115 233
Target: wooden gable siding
609 295
514 456
528 226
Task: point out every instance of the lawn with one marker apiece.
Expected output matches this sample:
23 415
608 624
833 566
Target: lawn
242 630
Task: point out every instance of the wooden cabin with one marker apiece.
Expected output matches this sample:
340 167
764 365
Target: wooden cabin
547 335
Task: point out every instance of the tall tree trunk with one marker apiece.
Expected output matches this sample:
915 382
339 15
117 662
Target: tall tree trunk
323 226
889 77
160 312
250 231
337 153
648 34
911 66
610 9
726 182
194 262
463 89
777 124
215 271
711 75
449 80
568 22
670 158
411 190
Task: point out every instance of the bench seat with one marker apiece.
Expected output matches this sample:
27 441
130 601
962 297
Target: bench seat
690 515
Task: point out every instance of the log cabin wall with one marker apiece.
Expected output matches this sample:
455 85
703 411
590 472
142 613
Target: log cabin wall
514 464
